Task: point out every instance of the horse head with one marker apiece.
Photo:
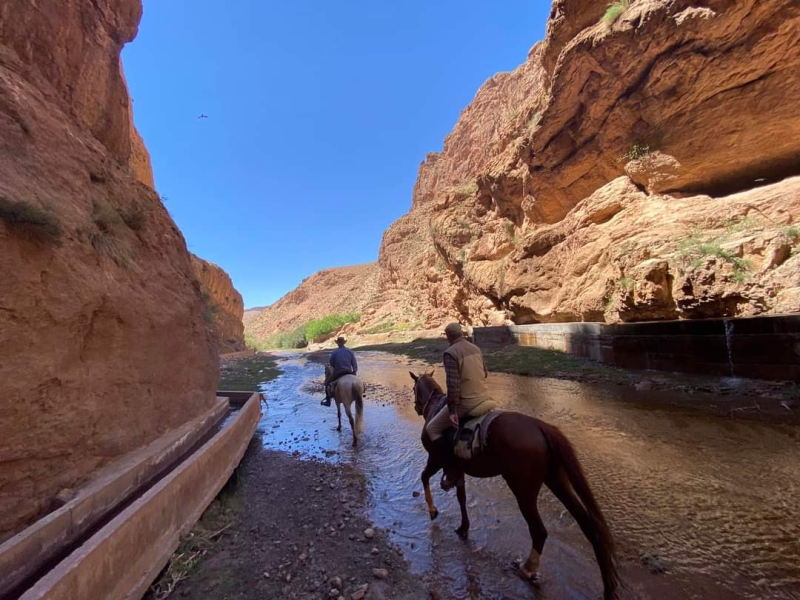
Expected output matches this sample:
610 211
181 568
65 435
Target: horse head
425 388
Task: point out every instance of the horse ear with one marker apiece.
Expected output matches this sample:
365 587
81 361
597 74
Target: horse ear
414 377
430 371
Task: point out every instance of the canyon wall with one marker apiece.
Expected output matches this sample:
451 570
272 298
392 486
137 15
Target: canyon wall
632 168
331 291
103 345
224 308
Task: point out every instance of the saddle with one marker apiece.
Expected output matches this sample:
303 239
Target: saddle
471 440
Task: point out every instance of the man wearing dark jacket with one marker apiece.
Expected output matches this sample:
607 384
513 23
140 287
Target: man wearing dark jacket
343 362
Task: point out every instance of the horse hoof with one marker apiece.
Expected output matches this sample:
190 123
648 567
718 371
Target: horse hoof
532 577
434 513
463 532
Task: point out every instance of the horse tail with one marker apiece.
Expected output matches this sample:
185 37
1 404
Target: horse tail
566 480
358 391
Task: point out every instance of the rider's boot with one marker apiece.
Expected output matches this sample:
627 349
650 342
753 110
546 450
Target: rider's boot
327 401
443 449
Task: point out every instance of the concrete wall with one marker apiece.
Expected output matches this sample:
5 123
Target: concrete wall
757 347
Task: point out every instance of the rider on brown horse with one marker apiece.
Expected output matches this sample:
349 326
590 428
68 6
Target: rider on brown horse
467 394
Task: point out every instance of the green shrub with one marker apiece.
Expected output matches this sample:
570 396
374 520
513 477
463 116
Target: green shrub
626 284
30 220
636 152
695 249
467 188
135 217
615 11
329 324
792 233
105 216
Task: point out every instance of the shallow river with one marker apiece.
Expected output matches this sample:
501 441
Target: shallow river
716 500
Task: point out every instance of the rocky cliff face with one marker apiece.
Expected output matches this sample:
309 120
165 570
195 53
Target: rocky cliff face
103 346
224 306
633 168
332 291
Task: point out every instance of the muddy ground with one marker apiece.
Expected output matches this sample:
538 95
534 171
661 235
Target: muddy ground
295 529
292 523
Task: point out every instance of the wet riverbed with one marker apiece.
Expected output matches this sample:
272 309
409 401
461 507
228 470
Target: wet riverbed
714 501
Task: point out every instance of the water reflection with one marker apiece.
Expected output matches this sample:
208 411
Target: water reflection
716 500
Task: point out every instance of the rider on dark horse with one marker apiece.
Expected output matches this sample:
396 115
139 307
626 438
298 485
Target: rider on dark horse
466 392
343 362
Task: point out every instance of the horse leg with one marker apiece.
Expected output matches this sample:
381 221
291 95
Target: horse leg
429 471
352 423
526 490
339 414
461 494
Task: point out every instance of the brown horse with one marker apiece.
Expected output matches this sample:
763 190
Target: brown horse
526 452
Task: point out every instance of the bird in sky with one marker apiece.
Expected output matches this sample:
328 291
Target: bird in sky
203 117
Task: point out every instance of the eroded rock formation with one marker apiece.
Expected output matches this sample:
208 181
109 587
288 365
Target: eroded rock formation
224 306
635 169
103 346
331 291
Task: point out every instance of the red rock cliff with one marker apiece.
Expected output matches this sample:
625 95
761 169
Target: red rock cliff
224 305
103 346
634 169
330 291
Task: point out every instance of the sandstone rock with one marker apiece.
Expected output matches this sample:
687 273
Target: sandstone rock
655 171
340 290
526 214
224 305
102 342
380 573
369 533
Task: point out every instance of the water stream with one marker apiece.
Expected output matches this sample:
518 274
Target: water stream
716 500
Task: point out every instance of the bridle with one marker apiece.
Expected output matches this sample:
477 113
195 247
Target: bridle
419 404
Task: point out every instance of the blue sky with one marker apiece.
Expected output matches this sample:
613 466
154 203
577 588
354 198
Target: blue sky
319 114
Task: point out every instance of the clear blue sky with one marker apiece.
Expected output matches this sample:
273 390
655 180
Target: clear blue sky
319 114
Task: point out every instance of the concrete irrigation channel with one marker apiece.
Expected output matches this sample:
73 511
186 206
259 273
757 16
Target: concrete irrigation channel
115 535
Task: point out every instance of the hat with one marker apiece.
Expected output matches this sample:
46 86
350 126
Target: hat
454 329
341 338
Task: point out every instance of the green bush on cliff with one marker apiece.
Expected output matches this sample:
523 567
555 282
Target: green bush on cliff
30 220
300 337
615 11
329 324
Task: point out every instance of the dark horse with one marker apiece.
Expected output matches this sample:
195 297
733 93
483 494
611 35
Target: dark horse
526 452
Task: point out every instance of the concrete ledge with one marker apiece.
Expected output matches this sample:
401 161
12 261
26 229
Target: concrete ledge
755 347
30 550
125 556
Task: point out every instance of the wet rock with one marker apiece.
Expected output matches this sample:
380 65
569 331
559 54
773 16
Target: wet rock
369 533
415 494
380 573
652 562
336 582
375 551
359 594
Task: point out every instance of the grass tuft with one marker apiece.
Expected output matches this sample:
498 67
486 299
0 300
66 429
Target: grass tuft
615 11
30 221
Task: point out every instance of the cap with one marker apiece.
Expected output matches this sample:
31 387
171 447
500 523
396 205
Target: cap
454 329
